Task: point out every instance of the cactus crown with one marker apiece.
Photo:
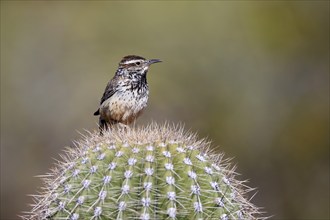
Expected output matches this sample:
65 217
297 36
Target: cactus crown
155 172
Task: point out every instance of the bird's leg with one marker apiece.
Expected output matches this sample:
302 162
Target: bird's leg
102 126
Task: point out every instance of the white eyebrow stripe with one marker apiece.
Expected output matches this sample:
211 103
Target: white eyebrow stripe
132 61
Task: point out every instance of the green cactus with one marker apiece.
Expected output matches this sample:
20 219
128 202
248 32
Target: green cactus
157 172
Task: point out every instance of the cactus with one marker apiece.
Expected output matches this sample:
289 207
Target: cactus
155 172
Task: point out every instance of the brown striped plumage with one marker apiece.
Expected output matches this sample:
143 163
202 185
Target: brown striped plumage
126 94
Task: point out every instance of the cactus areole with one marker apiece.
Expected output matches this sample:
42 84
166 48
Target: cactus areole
155 172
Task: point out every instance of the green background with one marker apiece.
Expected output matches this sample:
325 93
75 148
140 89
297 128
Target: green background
253 76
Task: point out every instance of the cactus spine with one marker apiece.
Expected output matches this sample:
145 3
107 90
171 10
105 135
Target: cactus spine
157 172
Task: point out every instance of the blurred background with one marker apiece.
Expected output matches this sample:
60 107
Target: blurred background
252 76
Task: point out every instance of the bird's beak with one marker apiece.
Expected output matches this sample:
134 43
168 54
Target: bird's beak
152 61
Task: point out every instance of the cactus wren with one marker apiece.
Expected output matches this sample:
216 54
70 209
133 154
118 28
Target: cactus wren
126 94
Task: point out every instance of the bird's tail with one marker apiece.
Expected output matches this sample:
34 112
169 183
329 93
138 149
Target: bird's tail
97 112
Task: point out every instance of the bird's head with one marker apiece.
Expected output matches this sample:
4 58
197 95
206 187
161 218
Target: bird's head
136 64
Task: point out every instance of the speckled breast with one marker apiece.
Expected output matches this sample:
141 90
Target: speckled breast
124 106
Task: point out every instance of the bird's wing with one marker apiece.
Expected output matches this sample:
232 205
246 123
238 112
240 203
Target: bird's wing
108 92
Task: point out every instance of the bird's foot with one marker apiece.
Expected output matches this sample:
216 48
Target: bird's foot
123 127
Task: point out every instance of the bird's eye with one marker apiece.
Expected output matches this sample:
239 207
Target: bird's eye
138 63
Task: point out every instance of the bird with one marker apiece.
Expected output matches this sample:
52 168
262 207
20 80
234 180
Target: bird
126 94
